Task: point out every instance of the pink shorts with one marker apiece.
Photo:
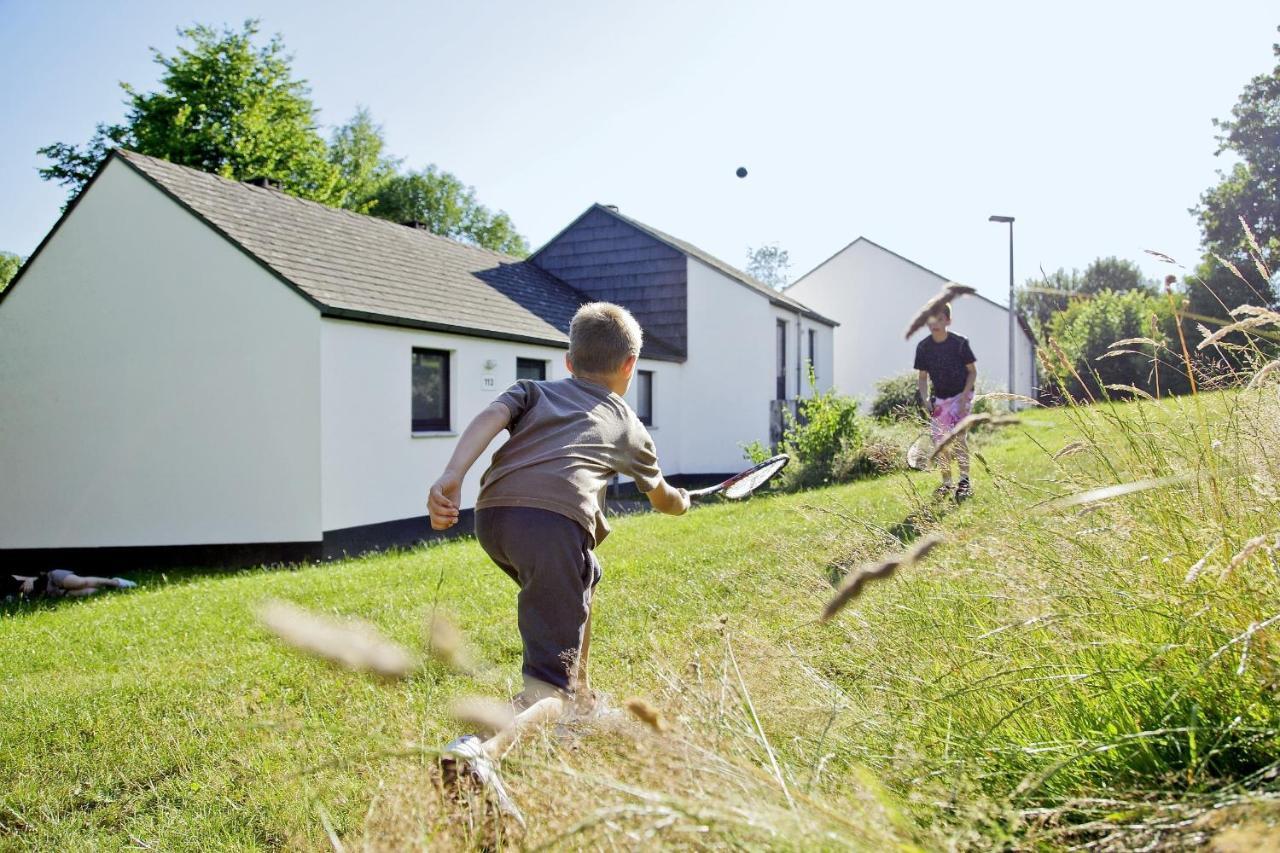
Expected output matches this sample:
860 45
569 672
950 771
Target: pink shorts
947 412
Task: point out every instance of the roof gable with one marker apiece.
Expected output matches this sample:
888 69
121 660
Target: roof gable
363 268
689 250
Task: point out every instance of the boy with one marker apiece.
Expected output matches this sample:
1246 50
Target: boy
946 360
56 584
540 514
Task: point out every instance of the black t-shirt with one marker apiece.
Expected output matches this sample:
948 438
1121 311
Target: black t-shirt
945 363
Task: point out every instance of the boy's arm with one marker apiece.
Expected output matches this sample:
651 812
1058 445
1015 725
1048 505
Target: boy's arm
971 377
446 492
922 388
668 499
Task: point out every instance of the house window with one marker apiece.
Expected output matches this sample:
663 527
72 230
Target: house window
782 360
813 361
531 368
430 390
644 396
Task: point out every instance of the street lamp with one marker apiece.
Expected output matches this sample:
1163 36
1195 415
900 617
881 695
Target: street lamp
1009 219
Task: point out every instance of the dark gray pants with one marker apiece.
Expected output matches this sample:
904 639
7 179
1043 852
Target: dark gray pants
549 555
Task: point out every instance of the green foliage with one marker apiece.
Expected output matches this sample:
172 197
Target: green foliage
447 207
1086 330
1039 299
1251 190
357 149
9 266
897 398
769 264
223 106
826 442
230 107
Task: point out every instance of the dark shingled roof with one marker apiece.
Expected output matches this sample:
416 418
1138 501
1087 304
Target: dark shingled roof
364 268
774 296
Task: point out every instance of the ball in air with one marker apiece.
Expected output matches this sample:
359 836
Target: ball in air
742 172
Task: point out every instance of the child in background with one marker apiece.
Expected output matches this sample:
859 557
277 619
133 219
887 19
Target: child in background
540 514
946 361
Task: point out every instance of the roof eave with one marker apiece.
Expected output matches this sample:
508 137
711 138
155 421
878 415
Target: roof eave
375 318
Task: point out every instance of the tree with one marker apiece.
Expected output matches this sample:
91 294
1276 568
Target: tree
1115 275
356 148
448 207
1251 190
1039 299
9 265
224 106
769 264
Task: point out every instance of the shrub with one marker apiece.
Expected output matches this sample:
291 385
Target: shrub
826 442
1086 330
896 398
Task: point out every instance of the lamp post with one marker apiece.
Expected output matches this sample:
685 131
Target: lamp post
1009 219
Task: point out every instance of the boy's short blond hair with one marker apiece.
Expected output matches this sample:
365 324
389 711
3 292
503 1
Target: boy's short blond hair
601 337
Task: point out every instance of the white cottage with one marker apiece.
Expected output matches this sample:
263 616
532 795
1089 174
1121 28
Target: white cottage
874 293
195 370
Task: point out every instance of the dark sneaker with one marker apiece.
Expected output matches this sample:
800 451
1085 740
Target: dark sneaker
943 491
964 491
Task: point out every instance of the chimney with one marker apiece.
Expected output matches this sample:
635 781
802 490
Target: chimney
267 183
612 207
417 224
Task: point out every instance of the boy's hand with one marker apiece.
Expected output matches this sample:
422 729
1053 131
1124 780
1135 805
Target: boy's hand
685 501
442 502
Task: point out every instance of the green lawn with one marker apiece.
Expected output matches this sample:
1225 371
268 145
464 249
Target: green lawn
1039 673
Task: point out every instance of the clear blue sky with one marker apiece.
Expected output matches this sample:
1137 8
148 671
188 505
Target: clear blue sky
907 123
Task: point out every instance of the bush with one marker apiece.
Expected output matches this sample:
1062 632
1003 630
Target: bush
1086 330
897 398
826 442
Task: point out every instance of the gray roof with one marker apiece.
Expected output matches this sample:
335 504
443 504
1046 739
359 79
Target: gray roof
776 297
360 267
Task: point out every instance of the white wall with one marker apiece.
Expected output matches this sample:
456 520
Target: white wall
873 294
729 375
375 468
157 387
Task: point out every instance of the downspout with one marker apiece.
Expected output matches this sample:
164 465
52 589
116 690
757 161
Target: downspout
799 357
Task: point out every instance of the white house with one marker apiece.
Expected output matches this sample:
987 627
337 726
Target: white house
195 370
873 293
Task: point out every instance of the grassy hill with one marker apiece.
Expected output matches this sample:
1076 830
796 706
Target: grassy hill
1099 670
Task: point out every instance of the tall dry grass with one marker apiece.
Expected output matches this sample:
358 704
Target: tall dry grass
1090 660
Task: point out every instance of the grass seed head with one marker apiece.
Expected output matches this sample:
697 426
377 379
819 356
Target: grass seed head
447 645
648 714
350 644
949 292
853 584
488 715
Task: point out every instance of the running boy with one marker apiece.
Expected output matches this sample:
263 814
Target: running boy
540 514
946 360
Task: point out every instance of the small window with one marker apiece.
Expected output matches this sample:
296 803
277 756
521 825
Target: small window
644 396
430 390
813 361
531 368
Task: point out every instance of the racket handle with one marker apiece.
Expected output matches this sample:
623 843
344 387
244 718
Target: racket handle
695 494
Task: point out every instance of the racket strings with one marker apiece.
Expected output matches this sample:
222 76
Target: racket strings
754 480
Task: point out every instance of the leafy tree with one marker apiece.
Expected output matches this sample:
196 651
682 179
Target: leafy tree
448 207
1114 274
356 149
1251 190
769 264
224 106
9 264
1039 299
1087 328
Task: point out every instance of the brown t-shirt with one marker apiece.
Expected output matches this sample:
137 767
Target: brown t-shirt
569 437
